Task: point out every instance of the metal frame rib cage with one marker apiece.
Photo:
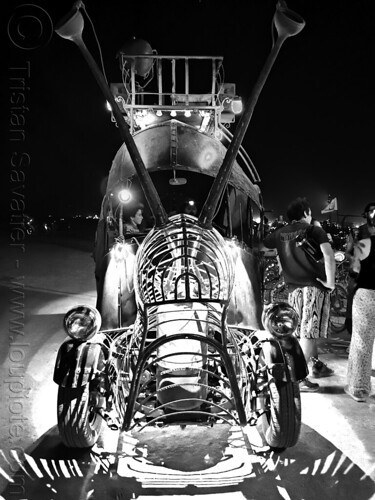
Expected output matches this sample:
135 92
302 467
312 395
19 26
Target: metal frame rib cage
183 262
182 355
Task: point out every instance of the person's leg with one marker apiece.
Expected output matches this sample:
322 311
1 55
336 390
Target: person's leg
312 320
297 299
361 346
318 303
309 348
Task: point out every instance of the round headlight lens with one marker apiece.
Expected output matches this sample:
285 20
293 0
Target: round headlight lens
280 319
339 256
82 322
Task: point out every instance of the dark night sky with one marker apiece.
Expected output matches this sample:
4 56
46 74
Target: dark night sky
311 133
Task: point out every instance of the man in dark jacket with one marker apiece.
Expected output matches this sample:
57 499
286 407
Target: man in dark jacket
368 229
308 265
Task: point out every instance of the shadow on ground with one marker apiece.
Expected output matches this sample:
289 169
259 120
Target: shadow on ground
312 469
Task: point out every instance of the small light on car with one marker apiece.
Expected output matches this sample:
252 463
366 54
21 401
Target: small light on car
125 195
280 319
82 322
339 256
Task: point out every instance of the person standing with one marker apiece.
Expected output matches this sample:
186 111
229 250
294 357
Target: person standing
308 266
366 230
133 220
363 327
190 207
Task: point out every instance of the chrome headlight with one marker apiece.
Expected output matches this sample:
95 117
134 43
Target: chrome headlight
339 256
82 322
280 319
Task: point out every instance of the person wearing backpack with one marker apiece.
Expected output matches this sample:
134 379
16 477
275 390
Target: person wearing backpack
308 266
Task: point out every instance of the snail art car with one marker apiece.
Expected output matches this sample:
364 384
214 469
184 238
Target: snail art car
179 334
